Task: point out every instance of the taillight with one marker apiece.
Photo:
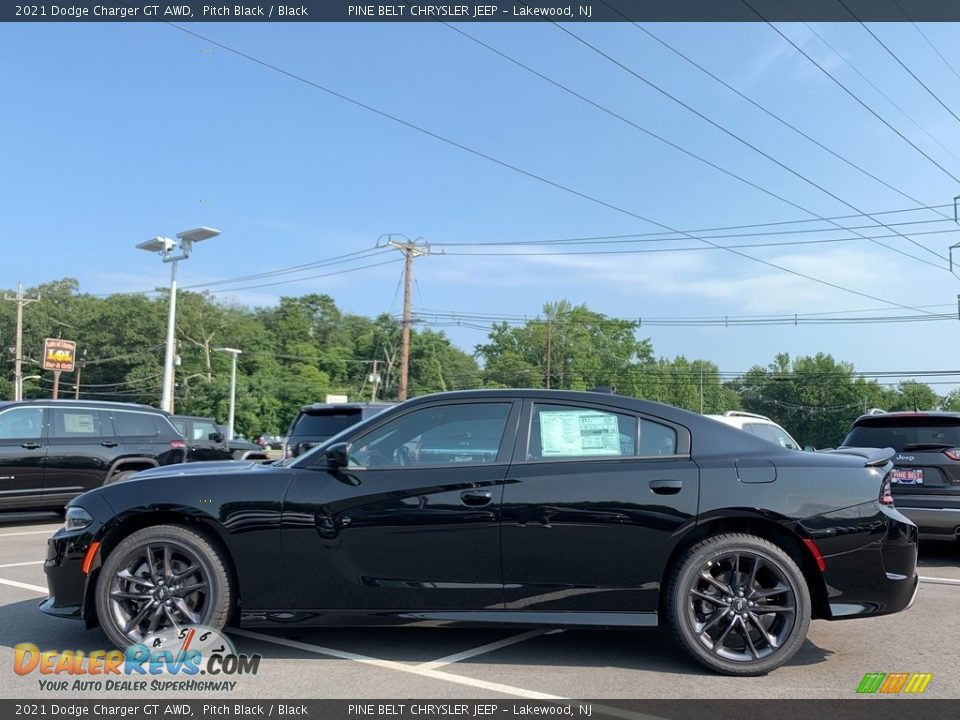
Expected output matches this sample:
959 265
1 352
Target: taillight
886 491
178 444
953 453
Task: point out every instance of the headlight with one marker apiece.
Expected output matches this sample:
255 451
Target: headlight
77 518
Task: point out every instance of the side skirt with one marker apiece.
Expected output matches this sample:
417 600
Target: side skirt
507 618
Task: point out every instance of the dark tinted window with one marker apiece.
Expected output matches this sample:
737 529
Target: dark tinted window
903 433
76 423
180 425
135 424
325 424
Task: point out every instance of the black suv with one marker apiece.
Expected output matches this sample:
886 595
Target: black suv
53 450
925 480
321 421
208 441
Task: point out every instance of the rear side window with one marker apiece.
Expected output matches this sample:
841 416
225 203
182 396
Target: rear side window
134 424
772 433
913 434
75 423
563 431
325 424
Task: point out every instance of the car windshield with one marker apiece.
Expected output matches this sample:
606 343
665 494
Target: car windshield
915 433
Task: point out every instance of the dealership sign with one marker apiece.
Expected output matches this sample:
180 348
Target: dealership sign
59 354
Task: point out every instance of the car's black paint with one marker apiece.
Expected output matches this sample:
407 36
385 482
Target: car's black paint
585 541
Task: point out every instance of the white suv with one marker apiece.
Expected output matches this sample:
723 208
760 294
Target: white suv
758 425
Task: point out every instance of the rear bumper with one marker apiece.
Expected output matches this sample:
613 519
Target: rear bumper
932 517
874 571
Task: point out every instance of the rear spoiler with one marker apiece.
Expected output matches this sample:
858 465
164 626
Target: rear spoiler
873 457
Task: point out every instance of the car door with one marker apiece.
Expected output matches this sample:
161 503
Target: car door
591 503
398 528
203 442
81 449
22 452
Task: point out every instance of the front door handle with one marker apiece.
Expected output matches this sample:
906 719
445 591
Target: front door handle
109 443
30 445
476 498
666 487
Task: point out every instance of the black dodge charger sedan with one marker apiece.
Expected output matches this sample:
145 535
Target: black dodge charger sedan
526 507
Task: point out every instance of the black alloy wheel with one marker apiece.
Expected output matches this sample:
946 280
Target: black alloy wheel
739 604
162 577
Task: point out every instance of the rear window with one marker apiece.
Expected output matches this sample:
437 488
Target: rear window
325 424
903 434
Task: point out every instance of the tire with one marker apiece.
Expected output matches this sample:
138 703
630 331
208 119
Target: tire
190 586
733 633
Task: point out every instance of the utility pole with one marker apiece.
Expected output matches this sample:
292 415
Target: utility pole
549 349
701 388
21 302
375 380
410 249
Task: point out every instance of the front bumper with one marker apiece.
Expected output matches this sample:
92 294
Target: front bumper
66 581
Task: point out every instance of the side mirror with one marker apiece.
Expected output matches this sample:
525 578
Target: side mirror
809 448
338 454
217 437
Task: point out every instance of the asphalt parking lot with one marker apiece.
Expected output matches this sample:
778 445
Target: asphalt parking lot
535 664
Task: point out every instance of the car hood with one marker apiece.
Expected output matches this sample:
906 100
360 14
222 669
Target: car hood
217 467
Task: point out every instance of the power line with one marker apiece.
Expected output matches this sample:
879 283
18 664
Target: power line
901 63
777 117
851 94
929 41
526 173
750 145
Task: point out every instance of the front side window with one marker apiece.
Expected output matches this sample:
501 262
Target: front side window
435 436
24 423
202 430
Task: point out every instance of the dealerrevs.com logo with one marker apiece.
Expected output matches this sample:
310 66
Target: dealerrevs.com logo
894 683
169 661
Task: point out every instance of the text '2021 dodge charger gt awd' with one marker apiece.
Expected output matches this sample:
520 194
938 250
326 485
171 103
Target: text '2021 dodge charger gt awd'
526 507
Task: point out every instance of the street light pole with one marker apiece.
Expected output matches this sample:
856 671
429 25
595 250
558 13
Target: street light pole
165 246
233 386
166 400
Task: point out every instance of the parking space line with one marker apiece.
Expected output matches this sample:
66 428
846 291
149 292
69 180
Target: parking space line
32 562
51 531
402 667
939 580
25 586
483 649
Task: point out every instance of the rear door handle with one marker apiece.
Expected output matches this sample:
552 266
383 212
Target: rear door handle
476 498
666 487
109 443
31 445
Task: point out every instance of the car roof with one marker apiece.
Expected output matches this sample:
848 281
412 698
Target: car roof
84 403
881 418
345 406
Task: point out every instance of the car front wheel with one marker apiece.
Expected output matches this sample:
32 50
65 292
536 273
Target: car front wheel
739 604
161 577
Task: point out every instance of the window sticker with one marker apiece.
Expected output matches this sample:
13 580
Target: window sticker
583 432
80 424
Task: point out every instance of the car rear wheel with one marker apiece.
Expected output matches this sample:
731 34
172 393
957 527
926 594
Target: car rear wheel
161 577
739 604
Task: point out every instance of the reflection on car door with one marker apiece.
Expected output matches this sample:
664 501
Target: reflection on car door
396 530
589 508
22 451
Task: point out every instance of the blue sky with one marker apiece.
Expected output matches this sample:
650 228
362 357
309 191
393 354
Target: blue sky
116 133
